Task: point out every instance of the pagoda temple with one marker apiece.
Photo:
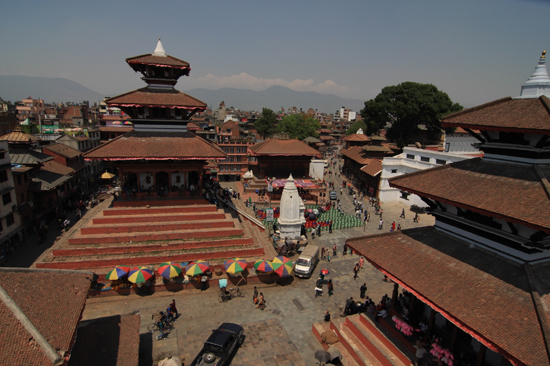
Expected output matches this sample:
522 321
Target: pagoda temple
479 277
160 157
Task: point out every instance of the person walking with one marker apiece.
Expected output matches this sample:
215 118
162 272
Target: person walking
363 290
334 248
381 224
393 226
319 287
355 271
402 213
330 227
345 251
261 302
174 309
255 296
330 287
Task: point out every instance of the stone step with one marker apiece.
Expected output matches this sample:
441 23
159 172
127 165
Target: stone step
358 352
368 334
166 210
147 248
79 239
153 218
318 329
153 227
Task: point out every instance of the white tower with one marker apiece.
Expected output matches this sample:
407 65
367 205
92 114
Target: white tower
292 206
539 83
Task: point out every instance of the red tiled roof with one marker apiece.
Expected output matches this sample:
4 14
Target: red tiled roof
512 192
487 297
157 98
525 115
376 148
357 137
52 301
55 167
192 126
116 129
116 336
19 136
356 154
149 59
326 138
156 146
63 150
373 167
283 147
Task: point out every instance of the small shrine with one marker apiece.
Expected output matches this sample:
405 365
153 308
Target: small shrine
291 218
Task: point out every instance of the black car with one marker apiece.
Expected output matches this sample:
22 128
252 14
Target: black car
220 346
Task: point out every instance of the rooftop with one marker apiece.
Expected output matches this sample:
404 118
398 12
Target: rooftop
502 304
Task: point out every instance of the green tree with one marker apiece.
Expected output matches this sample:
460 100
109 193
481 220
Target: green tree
265 125
298 126
355 127
406 106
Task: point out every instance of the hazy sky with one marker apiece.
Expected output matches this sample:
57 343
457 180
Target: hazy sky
474 50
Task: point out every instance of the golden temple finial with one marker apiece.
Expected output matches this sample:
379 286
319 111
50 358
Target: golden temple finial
543 54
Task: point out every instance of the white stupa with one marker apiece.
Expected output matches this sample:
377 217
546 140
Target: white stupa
292 211
539 83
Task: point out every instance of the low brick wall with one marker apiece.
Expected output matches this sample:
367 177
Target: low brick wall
111 263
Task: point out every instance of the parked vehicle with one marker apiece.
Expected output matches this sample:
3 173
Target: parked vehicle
219 347
305 265
333 196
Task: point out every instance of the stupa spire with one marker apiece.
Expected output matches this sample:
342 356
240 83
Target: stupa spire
539 82
159 51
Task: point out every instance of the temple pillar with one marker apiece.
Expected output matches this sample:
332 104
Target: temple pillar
431 321
454 337
480 360
395 294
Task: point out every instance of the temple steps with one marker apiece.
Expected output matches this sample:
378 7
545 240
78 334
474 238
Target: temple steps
365 343
148 236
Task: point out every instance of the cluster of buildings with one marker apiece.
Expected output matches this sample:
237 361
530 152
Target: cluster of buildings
480 274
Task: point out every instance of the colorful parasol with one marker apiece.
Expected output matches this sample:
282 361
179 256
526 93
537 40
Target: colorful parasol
263 266
139 275
196 268
282 266
169 270
234 266
117 273
325 271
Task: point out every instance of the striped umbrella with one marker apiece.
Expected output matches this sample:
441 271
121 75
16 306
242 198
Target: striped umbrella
282 266
263 266
169 269
196 268
234 266
117 273
139 275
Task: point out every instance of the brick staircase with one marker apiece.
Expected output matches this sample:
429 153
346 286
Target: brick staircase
148 236
362 343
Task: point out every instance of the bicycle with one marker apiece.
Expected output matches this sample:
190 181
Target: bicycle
168 325
225 295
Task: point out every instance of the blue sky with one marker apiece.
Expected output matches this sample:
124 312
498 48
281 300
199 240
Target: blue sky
476 51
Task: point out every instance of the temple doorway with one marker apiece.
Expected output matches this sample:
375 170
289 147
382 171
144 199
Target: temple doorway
162 180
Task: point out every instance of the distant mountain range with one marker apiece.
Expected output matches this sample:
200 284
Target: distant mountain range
51 90
16 88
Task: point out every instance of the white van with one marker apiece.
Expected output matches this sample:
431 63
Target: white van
305 265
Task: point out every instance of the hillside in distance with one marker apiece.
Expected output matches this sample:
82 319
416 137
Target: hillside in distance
52 90
55 90
274 98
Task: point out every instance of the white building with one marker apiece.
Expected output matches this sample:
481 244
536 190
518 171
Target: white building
409 161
